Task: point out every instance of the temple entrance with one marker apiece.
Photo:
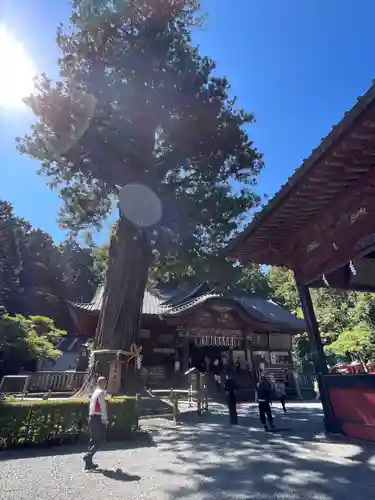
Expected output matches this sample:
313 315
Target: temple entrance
203 357
208 351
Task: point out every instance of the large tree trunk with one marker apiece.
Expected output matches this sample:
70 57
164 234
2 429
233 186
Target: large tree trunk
119 321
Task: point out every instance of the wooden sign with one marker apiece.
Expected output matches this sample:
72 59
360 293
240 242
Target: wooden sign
215 332
114 378
164 350
155 374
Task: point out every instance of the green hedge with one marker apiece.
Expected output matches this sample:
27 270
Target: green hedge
49 423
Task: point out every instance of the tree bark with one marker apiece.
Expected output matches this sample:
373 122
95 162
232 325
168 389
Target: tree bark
129 260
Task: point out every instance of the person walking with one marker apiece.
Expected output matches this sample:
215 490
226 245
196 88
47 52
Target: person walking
98 420
230 388
280 392
264 394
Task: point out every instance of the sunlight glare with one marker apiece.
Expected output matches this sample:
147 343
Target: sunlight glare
16 71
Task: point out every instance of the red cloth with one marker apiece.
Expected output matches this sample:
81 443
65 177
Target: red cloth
97 406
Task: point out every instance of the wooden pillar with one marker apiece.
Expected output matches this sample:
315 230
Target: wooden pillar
245 347
316 345
319 359
185 354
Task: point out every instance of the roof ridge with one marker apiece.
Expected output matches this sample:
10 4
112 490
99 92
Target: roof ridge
260 309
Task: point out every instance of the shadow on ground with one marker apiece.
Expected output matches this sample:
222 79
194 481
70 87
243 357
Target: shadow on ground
117 475
298 462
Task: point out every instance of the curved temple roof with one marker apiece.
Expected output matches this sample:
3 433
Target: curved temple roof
258 309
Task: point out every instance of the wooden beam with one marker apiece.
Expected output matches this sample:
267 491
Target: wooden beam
349 201
349 246
330 187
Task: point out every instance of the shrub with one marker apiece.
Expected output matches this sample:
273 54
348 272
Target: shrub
24 340
48 423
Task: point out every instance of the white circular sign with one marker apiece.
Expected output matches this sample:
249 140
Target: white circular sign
140 205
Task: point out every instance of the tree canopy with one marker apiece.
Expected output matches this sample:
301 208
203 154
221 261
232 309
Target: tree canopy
358 339
136 102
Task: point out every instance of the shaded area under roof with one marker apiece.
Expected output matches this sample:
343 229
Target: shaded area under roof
259 310
335 170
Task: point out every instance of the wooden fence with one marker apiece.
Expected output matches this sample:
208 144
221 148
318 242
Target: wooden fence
43 381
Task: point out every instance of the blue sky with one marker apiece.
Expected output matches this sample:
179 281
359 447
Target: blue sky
297 64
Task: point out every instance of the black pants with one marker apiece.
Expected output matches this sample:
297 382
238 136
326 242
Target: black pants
232 407
265 411
97 435
283 402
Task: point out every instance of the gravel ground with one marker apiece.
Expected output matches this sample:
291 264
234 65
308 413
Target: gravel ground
204 459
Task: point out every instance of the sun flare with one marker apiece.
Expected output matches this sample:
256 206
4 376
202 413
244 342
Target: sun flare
16 71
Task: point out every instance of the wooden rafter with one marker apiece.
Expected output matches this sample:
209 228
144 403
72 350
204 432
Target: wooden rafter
314 210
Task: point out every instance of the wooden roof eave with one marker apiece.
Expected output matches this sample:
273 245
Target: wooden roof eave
330 141
255 324
72 306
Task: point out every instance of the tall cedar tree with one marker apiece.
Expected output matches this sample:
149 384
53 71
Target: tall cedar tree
137 103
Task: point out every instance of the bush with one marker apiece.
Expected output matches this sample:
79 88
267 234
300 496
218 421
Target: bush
24 340
49 423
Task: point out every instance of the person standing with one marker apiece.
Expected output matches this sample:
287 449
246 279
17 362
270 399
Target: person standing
177 369
264 394
224 363
237 365
216 371
281 393
98 420
230 388
207 362
177 366
316 389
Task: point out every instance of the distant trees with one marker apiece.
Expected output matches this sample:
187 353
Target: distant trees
346 319
38 276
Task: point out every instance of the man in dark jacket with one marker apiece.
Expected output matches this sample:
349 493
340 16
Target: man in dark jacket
264 390
230 388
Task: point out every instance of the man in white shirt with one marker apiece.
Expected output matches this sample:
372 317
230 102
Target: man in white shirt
98 420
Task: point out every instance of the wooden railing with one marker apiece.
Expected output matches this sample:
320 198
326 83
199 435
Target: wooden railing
55 381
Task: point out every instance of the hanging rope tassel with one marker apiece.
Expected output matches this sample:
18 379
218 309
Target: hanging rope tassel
325 281
352 268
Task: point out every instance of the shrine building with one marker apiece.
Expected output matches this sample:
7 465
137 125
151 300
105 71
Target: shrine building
190 323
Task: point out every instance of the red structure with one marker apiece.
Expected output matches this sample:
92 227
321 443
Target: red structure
321 224
354 367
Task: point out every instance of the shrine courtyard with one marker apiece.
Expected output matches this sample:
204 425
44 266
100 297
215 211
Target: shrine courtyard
205 459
